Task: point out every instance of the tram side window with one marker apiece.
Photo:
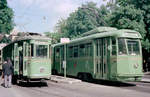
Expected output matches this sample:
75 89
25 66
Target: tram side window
97 48
122 46
62 52
75 51
32 50
113 46
57 53
25 48
70 52
41 50
82 50
89 49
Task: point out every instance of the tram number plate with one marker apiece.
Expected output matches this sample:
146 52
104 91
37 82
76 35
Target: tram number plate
41 70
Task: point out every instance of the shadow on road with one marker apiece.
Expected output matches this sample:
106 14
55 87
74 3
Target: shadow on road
112 83
32 84
105 82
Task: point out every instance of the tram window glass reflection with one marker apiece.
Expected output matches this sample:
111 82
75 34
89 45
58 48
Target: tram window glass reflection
113 39
133 47
41 50
122 46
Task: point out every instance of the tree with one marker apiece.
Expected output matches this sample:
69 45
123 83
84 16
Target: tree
85 18
6 18
55 36
143 5
5 40
123 18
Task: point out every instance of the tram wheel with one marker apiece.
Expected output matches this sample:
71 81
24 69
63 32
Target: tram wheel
80 76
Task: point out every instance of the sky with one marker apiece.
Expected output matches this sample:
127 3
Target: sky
42 15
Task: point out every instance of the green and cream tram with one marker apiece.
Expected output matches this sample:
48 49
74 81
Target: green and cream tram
30 57
104 53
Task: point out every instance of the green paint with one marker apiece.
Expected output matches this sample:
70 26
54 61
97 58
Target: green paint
101 58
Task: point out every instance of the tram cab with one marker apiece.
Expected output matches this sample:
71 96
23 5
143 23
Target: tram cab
127 55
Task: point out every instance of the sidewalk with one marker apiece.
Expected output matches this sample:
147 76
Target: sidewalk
145 80
146 77
61 79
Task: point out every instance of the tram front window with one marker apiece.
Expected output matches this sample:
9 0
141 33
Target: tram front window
133 47
41 50
122 47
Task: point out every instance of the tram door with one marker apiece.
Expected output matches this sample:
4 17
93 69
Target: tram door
16 59
20 60
25 57
59 57
101 58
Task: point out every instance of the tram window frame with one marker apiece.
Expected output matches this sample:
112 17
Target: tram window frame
122 47
62 52
50 51
32 50
137 48
70 51
25 49
89 49
97 44
75 51
81 50
42 51
114 46
57 54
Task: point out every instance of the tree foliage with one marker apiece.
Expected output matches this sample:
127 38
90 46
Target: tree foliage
85 18
5 40
6 18
144 6
123 18
122 14
55 36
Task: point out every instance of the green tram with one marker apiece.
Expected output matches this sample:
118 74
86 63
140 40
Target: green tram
104 53
30 57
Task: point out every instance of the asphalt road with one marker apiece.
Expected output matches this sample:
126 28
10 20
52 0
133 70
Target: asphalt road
82 89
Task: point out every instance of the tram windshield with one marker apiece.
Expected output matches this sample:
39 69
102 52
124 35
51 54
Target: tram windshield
122 47
41 50
133 47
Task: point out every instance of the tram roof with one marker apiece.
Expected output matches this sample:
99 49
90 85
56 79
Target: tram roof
99 30
33 37
124 33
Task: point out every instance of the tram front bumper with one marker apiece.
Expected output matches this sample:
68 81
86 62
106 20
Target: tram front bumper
35 76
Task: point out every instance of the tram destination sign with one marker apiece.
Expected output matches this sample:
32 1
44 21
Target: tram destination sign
64 40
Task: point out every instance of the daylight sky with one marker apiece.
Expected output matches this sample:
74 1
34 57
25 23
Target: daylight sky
42 15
